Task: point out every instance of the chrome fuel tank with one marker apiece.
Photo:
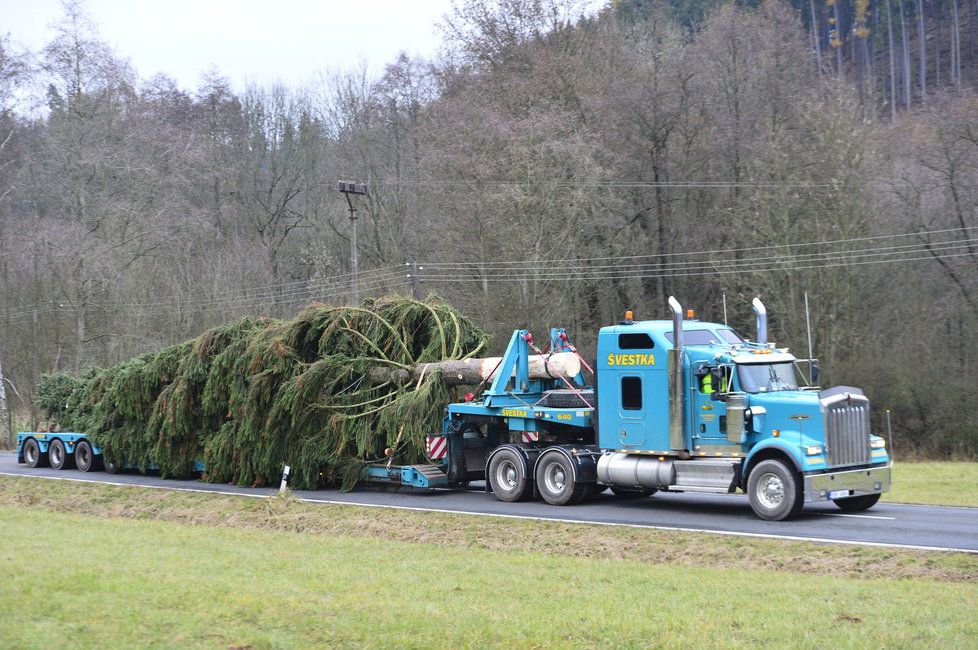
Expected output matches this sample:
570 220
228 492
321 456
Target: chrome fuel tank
635 471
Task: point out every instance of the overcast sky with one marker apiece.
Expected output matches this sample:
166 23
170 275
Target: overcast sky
246 40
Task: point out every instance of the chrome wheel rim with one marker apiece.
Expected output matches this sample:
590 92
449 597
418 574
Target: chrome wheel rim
57 454
555 478
507 475
81 456
770 490
31 453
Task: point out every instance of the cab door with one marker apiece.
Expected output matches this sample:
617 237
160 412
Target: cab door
708 415
632 405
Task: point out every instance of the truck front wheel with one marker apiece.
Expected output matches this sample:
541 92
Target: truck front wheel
857 504
555 480
773 490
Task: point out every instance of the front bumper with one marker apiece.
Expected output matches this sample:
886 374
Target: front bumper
873 480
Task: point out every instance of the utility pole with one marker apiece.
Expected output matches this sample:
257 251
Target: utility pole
7 440
415 275
349 189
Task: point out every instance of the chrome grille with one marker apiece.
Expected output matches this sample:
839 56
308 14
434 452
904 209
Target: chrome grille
847 429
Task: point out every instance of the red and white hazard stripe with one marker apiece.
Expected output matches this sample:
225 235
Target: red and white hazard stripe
530 436
437 447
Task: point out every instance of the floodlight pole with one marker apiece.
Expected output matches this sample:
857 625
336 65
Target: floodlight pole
349 188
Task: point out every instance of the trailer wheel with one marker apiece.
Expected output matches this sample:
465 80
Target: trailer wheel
85 458
555 480
774 491
507 476
858 504
110 468
33 457
58 456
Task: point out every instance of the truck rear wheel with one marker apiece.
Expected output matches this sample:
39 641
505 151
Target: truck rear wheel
507 476
858 504
85 458
58 456
774 491
33 457
555 480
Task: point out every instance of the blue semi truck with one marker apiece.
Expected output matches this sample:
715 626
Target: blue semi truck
676 405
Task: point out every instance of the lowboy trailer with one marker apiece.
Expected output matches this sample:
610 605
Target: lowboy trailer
677 405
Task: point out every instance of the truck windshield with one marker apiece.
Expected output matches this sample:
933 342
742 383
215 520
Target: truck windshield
767 377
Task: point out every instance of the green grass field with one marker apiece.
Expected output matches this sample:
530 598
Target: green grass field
936 483
84 565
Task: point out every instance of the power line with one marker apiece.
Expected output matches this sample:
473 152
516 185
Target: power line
722 184
265 291
549 265
557 270
239 302
727 271
715 252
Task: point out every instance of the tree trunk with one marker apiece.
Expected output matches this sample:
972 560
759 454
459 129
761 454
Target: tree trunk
907 81
815 38
472 372
921 38
938 13
838 40
955 45
7 440
889 31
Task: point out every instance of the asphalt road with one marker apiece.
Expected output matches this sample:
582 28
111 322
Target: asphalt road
898 525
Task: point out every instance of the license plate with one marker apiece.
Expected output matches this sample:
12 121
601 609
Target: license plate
838 494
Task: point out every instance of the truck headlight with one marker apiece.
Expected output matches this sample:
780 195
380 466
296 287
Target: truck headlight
813 450
877 443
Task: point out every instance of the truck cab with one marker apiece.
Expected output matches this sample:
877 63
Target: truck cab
693 406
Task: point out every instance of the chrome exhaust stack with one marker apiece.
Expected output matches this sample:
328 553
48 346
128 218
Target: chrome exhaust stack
677 392
760 313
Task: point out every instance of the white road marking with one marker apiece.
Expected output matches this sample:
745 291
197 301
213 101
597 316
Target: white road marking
729 533
839 514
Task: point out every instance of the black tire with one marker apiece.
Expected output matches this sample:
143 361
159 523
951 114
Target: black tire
33 456
555 480
858 504
507 476
58 455
85 458
110 468
633 493
774 491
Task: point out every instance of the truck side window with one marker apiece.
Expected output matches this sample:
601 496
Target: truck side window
631 393
636 341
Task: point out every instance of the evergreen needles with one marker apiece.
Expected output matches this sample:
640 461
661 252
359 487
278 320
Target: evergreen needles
252 396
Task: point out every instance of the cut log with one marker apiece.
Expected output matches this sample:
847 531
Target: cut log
471 372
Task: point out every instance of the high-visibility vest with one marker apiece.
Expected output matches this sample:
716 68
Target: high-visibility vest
707 386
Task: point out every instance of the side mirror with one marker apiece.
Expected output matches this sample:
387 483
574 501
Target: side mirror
721 383
815 370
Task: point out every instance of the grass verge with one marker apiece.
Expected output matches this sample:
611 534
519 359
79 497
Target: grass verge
935 483
647 546
76 580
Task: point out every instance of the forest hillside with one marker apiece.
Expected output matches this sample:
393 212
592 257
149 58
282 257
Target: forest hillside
550 166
